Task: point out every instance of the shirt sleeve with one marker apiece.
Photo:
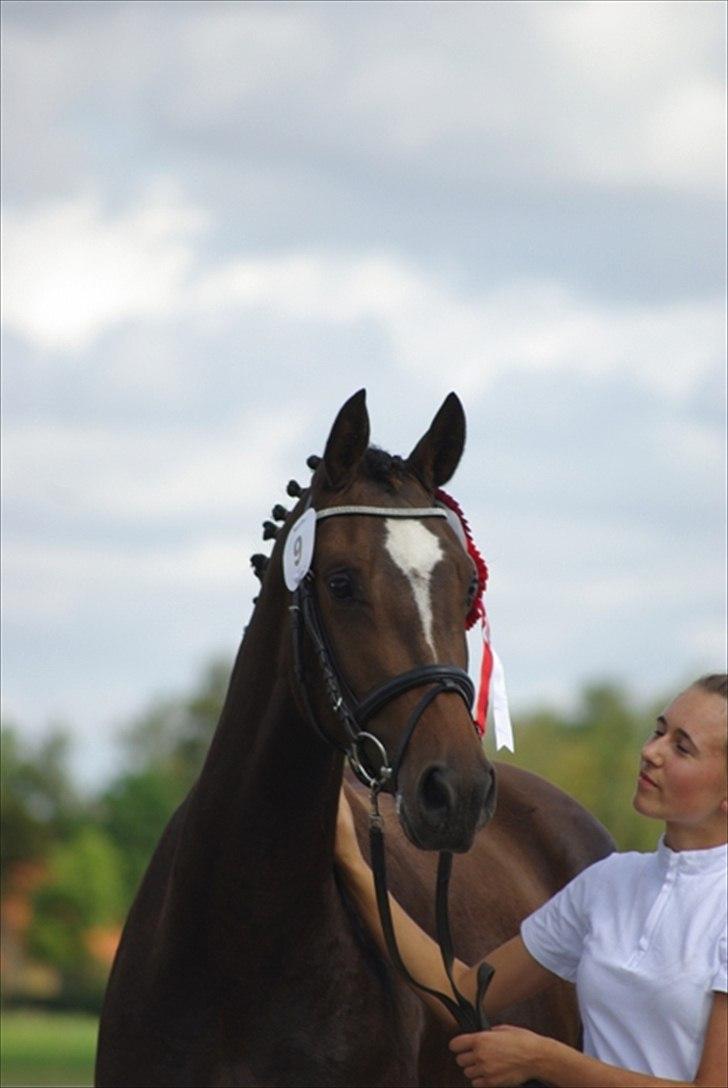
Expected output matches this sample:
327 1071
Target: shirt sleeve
555 933
720 979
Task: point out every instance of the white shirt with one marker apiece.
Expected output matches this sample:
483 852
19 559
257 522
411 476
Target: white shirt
643 936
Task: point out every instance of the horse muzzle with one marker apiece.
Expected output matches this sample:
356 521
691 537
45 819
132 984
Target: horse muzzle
445 808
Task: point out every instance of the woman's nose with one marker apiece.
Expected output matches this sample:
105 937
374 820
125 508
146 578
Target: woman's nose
651 752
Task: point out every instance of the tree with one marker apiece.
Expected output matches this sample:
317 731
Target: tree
133 812
83 891
165 749
38 802
174 734
593 754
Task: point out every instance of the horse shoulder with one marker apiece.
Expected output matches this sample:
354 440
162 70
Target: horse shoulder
557 833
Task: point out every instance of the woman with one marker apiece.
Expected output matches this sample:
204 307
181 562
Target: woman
643 936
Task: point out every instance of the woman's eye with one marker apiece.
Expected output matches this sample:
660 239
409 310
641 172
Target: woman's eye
340 586
679 746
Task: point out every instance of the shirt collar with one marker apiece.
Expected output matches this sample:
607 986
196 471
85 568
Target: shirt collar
712 859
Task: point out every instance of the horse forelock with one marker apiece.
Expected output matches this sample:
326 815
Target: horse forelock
388 470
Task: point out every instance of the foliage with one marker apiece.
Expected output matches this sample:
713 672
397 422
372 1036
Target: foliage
593 754
174 734
133 812
95 852
165 750
38 803
83 891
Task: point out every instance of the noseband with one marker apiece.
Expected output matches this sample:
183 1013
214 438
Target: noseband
355 713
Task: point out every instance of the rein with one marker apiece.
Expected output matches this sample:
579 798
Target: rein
354 714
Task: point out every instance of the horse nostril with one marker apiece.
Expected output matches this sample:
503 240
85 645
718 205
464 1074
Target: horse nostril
437 795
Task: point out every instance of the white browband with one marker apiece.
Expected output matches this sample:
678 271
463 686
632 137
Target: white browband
385 511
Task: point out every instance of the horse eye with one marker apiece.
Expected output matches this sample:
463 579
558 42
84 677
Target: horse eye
472 589
340 586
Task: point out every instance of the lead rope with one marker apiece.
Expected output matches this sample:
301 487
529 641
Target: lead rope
473 1016
467 1016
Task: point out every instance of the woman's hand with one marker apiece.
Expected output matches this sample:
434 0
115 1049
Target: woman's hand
503 1056
346 849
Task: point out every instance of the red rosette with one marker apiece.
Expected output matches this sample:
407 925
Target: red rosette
477 610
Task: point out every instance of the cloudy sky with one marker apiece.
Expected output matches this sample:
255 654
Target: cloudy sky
223 218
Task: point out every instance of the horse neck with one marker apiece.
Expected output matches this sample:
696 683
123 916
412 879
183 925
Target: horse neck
268 791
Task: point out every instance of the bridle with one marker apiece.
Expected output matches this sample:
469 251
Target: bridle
355 714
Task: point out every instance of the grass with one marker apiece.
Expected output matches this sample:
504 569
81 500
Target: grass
51 1049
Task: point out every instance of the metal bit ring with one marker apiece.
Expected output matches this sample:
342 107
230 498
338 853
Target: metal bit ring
374 781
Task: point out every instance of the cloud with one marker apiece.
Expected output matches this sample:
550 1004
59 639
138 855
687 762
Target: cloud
429 323
70 271
648 105
55 583
72 274
231 55
605 96
124 474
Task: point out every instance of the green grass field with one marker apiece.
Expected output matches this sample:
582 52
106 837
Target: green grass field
53 1049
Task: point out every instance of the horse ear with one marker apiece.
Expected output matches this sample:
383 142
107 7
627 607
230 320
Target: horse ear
348 440
436 456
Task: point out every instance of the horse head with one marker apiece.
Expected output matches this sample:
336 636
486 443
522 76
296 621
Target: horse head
385 607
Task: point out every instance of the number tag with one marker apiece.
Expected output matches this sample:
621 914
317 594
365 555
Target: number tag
298 549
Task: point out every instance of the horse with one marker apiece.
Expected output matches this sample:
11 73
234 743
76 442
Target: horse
242 962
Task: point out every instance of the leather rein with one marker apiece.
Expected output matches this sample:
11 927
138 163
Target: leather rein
354 714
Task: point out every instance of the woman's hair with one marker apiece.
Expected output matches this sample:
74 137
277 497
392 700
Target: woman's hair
716 683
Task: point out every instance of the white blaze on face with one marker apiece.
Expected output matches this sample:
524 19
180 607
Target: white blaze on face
416 551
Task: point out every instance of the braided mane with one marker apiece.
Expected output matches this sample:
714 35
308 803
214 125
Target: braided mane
384 468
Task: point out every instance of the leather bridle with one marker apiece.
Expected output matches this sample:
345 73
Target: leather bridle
355 714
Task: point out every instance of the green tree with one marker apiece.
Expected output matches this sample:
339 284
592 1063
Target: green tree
133 812
165 749
174 734
593 754
84 890
38 802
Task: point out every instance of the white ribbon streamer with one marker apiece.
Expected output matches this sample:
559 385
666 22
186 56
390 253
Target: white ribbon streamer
499 698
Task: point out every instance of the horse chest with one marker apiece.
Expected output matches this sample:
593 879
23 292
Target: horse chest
345 1024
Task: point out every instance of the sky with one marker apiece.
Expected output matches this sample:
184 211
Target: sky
221 219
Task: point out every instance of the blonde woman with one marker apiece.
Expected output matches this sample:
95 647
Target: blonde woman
642 936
